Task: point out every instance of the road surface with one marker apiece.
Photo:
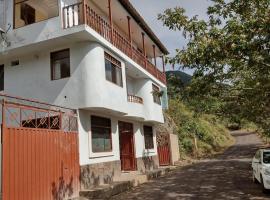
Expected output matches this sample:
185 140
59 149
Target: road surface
228 176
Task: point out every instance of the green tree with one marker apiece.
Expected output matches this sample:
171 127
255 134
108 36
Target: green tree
230 53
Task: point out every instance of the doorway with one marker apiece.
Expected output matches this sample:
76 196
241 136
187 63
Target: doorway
127 150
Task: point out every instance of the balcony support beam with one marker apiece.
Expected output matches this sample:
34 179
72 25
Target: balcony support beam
144 51
129 34
84 7
110 18
154 53
155 59
163 63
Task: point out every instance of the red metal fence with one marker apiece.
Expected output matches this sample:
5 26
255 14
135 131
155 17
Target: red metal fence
78 13
40 151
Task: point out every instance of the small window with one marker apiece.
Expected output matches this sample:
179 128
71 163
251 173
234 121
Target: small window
148 137
101 134
15 63
156 94
2 78
60 64
113 70
28 14
29 11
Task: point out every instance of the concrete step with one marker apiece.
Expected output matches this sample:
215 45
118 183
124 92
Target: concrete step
123 183
136 178
106 191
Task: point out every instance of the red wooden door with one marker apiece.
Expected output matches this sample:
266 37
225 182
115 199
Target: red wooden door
163 146
127 154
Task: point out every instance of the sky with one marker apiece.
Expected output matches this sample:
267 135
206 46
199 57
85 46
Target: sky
150 9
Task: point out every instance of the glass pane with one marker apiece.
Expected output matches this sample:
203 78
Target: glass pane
118 76
101 139
108 69
107 140
113 73
266 157
57 70
65 68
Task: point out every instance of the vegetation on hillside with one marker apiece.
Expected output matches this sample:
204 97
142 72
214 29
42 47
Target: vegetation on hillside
230 53
199 135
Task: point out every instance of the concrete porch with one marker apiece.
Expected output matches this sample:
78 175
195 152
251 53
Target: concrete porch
124 182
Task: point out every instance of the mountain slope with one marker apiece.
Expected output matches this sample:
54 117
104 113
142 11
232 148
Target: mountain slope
184 77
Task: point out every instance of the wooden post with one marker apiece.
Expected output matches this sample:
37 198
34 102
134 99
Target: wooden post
154 52
155 59
110 17
163 63
129 34
144 52
84 7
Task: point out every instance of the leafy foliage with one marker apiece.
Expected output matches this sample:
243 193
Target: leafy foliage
230 53
207 129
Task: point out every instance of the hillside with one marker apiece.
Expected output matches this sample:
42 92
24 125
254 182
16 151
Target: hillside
184 77
208 131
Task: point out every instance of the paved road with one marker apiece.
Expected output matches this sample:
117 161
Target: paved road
228 176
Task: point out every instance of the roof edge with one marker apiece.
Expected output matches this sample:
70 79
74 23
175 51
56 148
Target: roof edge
139 19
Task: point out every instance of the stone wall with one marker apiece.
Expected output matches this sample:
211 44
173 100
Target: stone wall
147 163
99 174
104 173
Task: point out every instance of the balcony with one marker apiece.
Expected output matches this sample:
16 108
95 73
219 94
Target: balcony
135 99
79 13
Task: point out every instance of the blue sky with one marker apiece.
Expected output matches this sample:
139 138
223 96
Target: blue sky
149 9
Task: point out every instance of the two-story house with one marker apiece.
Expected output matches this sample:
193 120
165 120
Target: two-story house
98 57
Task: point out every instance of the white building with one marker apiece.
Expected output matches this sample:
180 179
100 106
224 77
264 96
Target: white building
96 56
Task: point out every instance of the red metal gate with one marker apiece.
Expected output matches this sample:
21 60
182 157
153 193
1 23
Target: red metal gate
40 153
163 146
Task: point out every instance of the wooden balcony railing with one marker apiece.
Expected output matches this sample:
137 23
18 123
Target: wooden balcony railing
78 13
135 99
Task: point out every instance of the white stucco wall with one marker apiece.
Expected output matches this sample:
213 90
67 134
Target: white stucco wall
86 154
2 14
86 89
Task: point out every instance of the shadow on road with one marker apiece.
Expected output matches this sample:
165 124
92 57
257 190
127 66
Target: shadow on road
227 176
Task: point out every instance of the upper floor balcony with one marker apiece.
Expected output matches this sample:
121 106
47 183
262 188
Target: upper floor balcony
61 22
117 26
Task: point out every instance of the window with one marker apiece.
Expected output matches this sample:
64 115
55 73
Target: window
156 94
15 63
148 137
113 70
28 14
29 11
1 77
266 157
101 134
60 64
